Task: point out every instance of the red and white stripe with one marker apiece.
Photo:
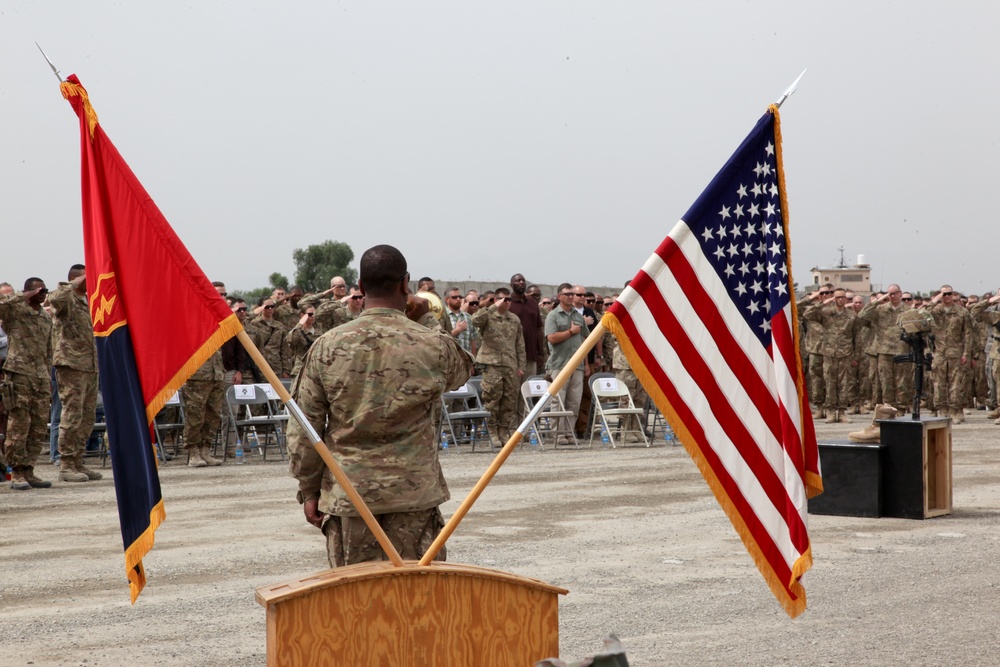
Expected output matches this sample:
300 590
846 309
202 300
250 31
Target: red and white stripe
739 403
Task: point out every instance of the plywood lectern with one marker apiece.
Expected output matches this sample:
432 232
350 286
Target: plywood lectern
435 615
403 613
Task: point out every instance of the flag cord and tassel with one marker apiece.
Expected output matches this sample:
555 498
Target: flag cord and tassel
338 473
512 443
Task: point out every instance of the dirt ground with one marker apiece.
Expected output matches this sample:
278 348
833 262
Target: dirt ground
633 533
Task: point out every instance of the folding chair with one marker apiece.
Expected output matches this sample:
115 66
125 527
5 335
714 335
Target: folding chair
470 411
593 399
609 391
547 422
164 423
239 399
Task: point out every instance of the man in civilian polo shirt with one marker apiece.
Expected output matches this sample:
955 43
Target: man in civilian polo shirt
565 331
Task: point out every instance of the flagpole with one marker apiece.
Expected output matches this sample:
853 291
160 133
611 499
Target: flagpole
512 443
322 450
791 89
54 70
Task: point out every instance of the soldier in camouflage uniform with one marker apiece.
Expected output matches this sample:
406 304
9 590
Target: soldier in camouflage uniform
813 343
839 325
976 386
203 394
26 389
332 308
75 358
287 311
269 336
986 312
502 357
895 380
302 336
952 328
368 387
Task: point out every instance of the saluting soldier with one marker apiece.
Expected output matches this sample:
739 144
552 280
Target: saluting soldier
502 358
25 390
369 387
75 358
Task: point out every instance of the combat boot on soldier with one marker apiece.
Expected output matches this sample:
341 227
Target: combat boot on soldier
958 416
68 471
194 458
206 456
873 431
80 468
35 482
993 414
831 416
17 480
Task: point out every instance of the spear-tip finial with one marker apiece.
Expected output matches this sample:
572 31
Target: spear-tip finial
54 70
791 89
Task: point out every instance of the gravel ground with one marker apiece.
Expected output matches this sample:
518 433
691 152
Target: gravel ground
634 534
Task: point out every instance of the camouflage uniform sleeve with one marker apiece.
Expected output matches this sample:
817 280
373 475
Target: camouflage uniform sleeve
968 339
8 305
312 300
287 360
304 462
813 314
458 362
432 321
868 313
59 299
481 319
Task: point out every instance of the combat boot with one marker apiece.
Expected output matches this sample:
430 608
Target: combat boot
993 414
194 458
207 457
69 473
873 431
79 467
819 413
831 416
997 421
958 416
17 480
35 482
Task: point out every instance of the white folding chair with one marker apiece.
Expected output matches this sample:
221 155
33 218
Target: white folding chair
555 413
239 399
608 391
464 405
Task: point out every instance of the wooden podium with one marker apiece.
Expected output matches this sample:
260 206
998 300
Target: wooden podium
443 614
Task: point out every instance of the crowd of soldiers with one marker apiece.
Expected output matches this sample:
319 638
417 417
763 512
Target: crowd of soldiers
855 353
47 346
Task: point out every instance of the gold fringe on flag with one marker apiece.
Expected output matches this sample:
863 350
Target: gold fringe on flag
814 483
69 90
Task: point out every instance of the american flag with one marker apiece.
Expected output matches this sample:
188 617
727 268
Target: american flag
709 326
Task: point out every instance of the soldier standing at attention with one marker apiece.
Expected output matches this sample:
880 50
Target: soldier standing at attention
839 324
369 387
75 358
813 342
952 327
502 357
895 380
26 390
203 394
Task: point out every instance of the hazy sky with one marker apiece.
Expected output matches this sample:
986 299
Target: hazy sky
558 139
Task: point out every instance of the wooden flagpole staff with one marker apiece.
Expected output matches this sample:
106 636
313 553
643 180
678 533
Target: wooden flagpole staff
512 443
322 450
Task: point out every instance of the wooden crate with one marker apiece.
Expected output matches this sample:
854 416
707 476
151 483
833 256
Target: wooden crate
437 615
916 469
